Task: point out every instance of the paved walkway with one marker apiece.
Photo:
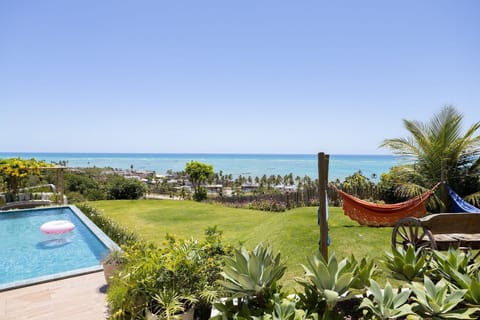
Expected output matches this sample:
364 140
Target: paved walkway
76 298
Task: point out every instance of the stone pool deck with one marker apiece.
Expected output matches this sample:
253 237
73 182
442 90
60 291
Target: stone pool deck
77 298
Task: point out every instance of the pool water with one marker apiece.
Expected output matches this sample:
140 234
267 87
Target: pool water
27 255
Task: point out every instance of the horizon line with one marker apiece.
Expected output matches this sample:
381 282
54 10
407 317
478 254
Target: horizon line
194 153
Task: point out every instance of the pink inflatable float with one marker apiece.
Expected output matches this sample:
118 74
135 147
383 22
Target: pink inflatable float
57 227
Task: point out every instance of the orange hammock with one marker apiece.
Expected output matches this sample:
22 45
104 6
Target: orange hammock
383 215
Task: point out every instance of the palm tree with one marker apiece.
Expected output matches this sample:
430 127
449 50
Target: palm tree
441 152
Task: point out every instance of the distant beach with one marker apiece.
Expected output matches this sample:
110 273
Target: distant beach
341 166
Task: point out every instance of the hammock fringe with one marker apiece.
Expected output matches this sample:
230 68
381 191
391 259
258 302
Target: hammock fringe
383 215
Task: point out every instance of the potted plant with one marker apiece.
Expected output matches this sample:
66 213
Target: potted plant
112 262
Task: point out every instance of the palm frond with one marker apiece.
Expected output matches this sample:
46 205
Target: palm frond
474 199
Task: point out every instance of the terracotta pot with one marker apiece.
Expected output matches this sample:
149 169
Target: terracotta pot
184 316
109 270
188 315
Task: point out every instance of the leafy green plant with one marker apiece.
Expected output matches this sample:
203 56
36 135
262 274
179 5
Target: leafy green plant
471 283
285 309
325 284
387 303
170 303
162 281
252 273
443 265
251 277
363 271
119 187
406 264
440 301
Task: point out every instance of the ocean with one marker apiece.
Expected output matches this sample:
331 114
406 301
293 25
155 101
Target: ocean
341 166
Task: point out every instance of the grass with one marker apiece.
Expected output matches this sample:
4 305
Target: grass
294 233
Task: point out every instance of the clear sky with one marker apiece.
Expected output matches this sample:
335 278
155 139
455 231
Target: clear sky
255 76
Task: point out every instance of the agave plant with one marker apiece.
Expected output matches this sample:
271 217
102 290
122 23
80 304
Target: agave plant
440 301
387 303
284 309
363 271
252 274
471 283
327 282
444 264
406 264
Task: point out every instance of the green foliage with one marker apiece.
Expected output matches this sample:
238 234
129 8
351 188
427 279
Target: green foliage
250 278
439 301
326 283
285 309
169 304
119 187
389 182
357 184
112 229
363 272
81 185
443 265
267 205
440 149
386 303
115 257
469 282
406 264
252 274
167 280
200 194
198 173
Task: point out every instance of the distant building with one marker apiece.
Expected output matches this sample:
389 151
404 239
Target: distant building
249 187
214 188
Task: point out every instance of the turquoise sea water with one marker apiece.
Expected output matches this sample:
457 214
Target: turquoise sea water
236 164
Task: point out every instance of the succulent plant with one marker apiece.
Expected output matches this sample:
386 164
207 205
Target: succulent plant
331 281
387 303
406 264
440 301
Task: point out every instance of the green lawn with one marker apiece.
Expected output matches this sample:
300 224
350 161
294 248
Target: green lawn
294 233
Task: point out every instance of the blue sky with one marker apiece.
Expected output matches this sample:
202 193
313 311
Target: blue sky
231 76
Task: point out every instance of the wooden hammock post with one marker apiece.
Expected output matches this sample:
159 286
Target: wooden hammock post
323 160
443 188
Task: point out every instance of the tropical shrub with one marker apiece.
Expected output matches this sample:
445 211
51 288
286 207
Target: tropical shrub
119 187
164 281
267 205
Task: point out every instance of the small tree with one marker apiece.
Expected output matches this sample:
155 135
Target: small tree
198 173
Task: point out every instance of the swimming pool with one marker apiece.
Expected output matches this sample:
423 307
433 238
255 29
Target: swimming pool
29 256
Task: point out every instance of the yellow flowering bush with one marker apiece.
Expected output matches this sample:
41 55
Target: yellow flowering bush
14 171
